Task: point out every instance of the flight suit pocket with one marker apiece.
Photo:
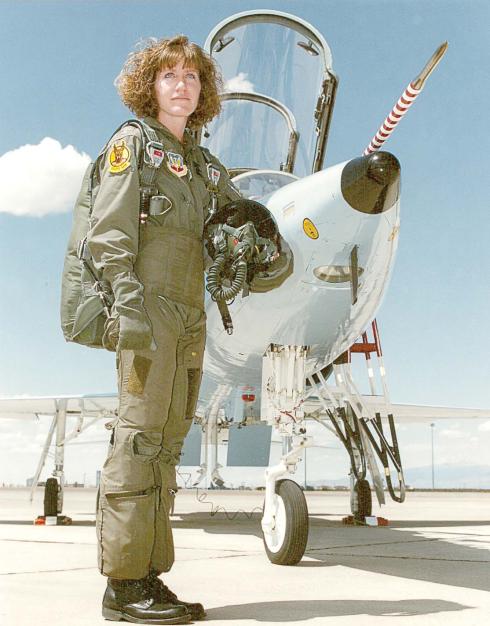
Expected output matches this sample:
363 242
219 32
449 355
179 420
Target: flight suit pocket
145 446
126 532
162 207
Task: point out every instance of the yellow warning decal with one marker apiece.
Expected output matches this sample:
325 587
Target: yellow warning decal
119 157
310 229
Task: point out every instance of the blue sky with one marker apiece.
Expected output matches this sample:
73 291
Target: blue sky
58 63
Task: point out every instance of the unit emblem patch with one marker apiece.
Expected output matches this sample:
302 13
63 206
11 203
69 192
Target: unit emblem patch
119 157
310 229
175 163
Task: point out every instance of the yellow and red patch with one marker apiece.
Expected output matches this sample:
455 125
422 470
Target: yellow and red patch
119 157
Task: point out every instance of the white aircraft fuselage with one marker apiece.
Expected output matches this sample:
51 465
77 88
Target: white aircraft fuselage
306 309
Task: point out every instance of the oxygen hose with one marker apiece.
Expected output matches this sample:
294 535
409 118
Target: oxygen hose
242 247
214 283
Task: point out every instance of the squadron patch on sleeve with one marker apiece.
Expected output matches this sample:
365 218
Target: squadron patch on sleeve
119 157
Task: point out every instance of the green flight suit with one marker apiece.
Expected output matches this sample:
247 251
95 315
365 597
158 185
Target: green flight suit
156 270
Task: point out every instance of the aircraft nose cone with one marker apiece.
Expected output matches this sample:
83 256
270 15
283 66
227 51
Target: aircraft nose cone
371 184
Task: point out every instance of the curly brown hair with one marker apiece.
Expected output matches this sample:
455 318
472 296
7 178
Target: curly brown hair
136 81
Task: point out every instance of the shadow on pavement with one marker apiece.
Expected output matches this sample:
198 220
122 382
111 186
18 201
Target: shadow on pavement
450 556
294 610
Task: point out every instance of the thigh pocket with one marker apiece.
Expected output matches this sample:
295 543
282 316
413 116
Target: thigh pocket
127 532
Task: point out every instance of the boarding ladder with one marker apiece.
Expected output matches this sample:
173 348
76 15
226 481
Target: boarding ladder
359 427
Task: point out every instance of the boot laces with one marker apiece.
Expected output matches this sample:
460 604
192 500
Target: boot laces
158 586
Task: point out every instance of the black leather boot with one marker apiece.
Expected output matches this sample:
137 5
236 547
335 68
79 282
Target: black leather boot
163 593
136 601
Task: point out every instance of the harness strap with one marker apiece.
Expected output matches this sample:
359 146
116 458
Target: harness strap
212 186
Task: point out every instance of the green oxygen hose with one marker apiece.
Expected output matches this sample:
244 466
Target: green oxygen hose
214 281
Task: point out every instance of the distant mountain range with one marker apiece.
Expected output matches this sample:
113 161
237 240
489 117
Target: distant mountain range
445 477
449 476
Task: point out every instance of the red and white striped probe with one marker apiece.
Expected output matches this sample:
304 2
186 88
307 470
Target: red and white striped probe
404 103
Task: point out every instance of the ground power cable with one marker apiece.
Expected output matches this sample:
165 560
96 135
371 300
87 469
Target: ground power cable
202 497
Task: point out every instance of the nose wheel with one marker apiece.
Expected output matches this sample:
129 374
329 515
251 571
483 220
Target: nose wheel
285 539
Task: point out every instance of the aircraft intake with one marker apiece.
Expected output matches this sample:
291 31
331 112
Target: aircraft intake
371 184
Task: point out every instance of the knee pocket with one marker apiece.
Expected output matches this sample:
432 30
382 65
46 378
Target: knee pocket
129 467
145 446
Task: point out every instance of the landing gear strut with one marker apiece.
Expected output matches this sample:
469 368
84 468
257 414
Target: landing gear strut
285 520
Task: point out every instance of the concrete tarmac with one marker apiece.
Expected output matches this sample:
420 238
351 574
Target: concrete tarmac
430 566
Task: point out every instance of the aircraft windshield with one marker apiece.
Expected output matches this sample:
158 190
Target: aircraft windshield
279 92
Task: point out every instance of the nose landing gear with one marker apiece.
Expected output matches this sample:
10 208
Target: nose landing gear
286 535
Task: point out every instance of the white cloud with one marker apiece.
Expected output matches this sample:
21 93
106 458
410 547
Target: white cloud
453 434
239 83
40 179
485 427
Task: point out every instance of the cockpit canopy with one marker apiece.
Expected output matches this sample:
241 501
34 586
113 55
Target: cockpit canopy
278 98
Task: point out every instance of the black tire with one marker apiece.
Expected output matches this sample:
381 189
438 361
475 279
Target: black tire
363 502
291 548
51 497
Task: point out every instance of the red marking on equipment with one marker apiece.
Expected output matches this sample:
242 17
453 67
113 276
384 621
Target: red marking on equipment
248 397
235 241
350 520
363 347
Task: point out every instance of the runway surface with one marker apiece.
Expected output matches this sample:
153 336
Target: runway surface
430 566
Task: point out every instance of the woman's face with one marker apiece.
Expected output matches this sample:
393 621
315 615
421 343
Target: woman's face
177 91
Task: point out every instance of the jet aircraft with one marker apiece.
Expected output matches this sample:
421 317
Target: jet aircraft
290 334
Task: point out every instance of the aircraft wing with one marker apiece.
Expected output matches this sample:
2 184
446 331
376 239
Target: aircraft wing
97 405
106 404
407 412
420 413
